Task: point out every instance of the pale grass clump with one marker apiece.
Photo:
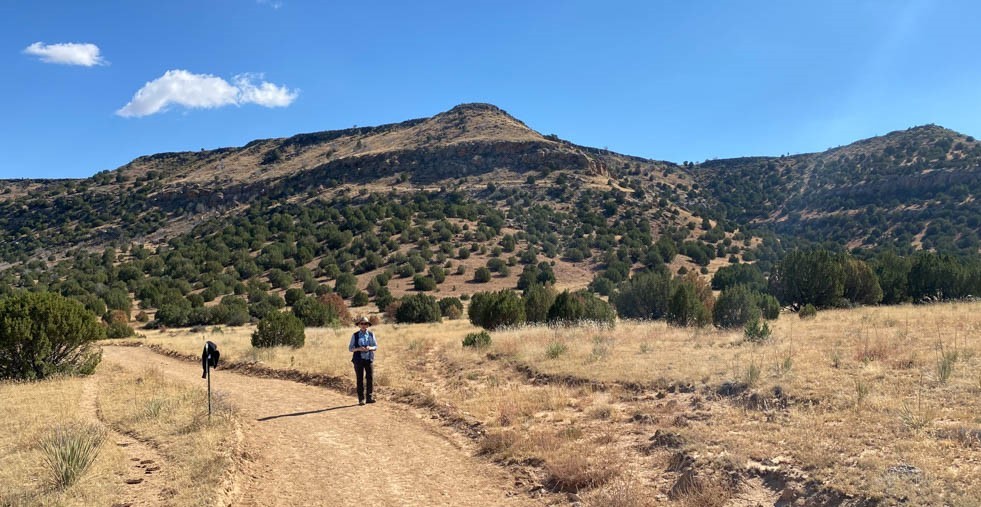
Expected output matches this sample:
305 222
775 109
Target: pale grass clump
70 450
576 467
619 492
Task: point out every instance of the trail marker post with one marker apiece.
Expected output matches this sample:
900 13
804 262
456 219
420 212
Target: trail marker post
209 360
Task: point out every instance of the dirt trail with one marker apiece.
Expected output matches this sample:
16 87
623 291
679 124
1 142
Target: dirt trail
142 483
313 446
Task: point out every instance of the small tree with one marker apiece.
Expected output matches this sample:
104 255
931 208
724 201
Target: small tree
477 340
492 310
278 328
538 299
482 275
735 307
451 308
686 309
44 333
423 283
314 313
418 308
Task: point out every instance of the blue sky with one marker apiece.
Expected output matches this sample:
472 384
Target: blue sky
89 86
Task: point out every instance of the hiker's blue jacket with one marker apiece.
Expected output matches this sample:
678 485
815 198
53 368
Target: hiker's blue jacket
363 338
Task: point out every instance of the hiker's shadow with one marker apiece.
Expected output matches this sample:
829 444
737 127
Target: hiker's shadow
308 412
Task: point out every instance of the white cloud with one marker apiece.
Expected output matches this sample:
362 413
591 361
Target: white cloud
70 53
204 91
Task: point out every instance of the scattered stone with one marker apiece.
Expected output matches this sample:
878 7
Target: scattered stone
904 469
133 481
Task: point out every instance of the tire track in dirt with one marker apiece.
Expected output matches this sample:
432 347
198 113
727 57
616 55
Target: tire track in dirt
313 446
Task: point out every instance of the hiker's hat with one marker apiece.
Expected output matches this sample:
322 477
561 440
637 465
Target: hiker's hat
362 320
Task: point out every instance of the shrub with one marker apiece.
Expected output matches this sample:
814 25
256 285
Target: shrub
278 328
491 310
360 298
807 312
686 309
437 273
293 295
735 307
575 307
43 333
538 299
346 285
477 340
312 312
383 298
644 296
423 283
482 275
119 330
336 303
769 306
418 308
69 451
756 330
451 308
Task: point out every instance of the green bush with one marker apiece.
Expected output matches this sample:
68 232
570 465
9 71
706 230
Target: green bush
418 308
477 340
119 330
491 310
538 299
360 298
756 330
808 311
43 333
580 306
278 328
644 296
314 313
769 306
293 295
423 283
685 308
451 308
482 275
736 306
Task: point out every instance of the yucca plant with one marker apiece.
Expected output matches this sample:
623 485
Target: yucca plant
69 451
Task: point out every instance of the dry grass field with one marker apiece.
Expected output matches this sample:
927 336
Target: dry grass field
150 442
869 406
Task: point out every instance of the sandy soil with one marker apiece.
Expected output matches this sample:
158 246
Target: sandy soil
313 446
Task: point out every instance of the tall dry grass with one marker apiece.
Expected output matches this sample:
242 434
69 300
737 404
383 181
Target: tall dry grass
55 450
850 396
199 450
32 413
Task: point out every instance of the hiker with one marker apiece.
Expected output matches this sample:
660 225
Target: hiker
363 345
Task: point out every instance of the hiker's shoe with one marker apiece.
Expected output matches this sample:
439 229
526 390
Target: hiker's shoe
361 402
371 400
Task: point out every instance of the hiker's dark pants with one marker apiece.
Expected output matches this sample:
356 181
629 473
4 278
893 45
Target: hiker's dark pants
362 372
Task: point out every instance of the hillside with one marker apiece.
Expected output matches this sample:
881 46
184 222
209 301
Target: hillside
469 200
157 197
912 189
